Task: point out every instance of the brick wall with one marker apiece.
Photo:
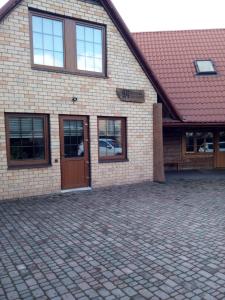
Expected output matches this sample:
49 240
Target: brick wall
25 90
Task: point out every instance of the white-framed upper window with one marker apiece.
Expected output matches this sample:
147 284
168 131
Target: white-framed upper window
205 67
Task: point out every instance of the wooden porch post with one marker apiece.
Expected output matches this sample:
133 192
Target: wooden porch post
159 172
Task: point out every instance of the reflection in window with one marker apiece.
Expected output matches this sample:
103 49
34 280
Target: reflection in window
111 137
89 48
199 142
47 42
26 138
73 138
222 141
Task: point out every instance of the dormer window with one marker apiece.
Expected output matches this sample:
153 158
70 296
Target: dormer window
205 67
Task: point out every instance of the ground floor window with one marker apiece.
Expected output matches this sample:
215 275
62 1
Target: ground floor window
112 138
199 142
27 138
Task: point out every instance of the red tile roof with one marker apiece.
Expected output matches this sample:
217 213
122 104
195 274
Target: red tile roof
171 55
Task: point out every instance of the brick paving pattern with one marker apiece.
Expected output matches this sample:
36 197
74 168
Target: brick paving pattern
147 241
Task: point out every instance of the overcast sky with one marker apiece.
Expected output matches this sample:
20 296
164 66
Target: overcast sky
154 15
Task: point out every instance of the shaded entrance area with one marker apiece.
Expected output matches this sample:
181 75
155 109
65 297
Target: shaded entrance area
195 175
194 148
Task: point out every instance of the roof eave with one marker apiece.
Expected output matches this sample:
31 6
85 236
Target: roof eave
7 8
180 124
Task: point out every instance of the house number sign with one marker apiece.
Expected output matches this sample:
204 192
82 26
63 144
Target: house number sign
136 96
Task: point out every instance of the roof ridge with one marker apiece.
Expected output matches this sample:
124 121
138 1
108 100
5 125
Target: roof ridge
182 30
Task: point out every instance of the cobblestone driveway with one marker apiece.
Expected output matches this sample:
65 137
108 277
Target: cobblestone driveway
147 241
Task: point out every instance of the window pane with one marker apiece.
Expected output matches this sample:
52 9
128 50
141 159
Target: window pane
205 66
89 34
38 124
47 26
80 33
37 24
97 51
81 64
48 42
98 36
38 57
15 153
73 138
39 152
81 48
58 59
14 126
26 138
89 64
26 124
58 44
98 65
189 141
38 42
89 48
205 143
57 28
48 58
222 141
110 138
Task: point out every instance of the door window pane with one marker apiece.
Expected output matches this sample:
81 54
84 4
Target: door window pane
89 47
111 138
73 138
47 42
26 138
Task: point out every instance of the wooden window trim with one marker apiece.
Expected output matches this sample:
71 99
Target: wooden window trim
69 46
16 164
195 153
119 158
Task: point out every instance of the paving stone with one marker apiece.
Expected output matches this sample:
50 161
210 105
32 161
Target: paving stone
116 243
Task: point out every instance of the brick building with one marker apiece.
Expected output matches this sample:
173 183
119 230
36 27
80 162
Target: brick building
76 99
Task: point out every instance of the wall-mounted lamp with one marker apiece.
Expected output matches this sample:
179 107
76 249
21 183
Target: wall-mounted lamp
74 99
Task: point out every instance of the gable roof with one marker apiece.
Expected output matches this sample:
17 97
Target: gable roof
172 54
124 31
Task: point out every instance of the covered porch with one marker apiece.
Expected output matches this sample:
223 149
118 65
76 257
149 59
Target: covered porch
194 147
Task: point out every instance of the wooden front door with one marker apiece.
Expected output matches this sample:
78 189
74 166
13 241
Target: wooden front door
74 152
220 149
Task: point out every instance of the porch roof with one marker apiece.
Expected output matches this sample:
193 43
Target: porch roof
198 99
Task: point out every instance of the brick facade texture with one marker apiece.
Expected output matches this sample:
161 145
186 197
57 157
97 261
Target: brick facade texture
32 91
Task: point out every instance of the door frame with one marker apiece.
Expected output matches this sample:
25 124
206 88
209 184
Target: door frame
86 118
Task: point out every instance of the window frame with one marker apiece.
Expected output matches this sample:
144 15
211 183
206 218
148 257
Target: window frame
195 153
29 162
118 158
198 72
54 18
69 45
